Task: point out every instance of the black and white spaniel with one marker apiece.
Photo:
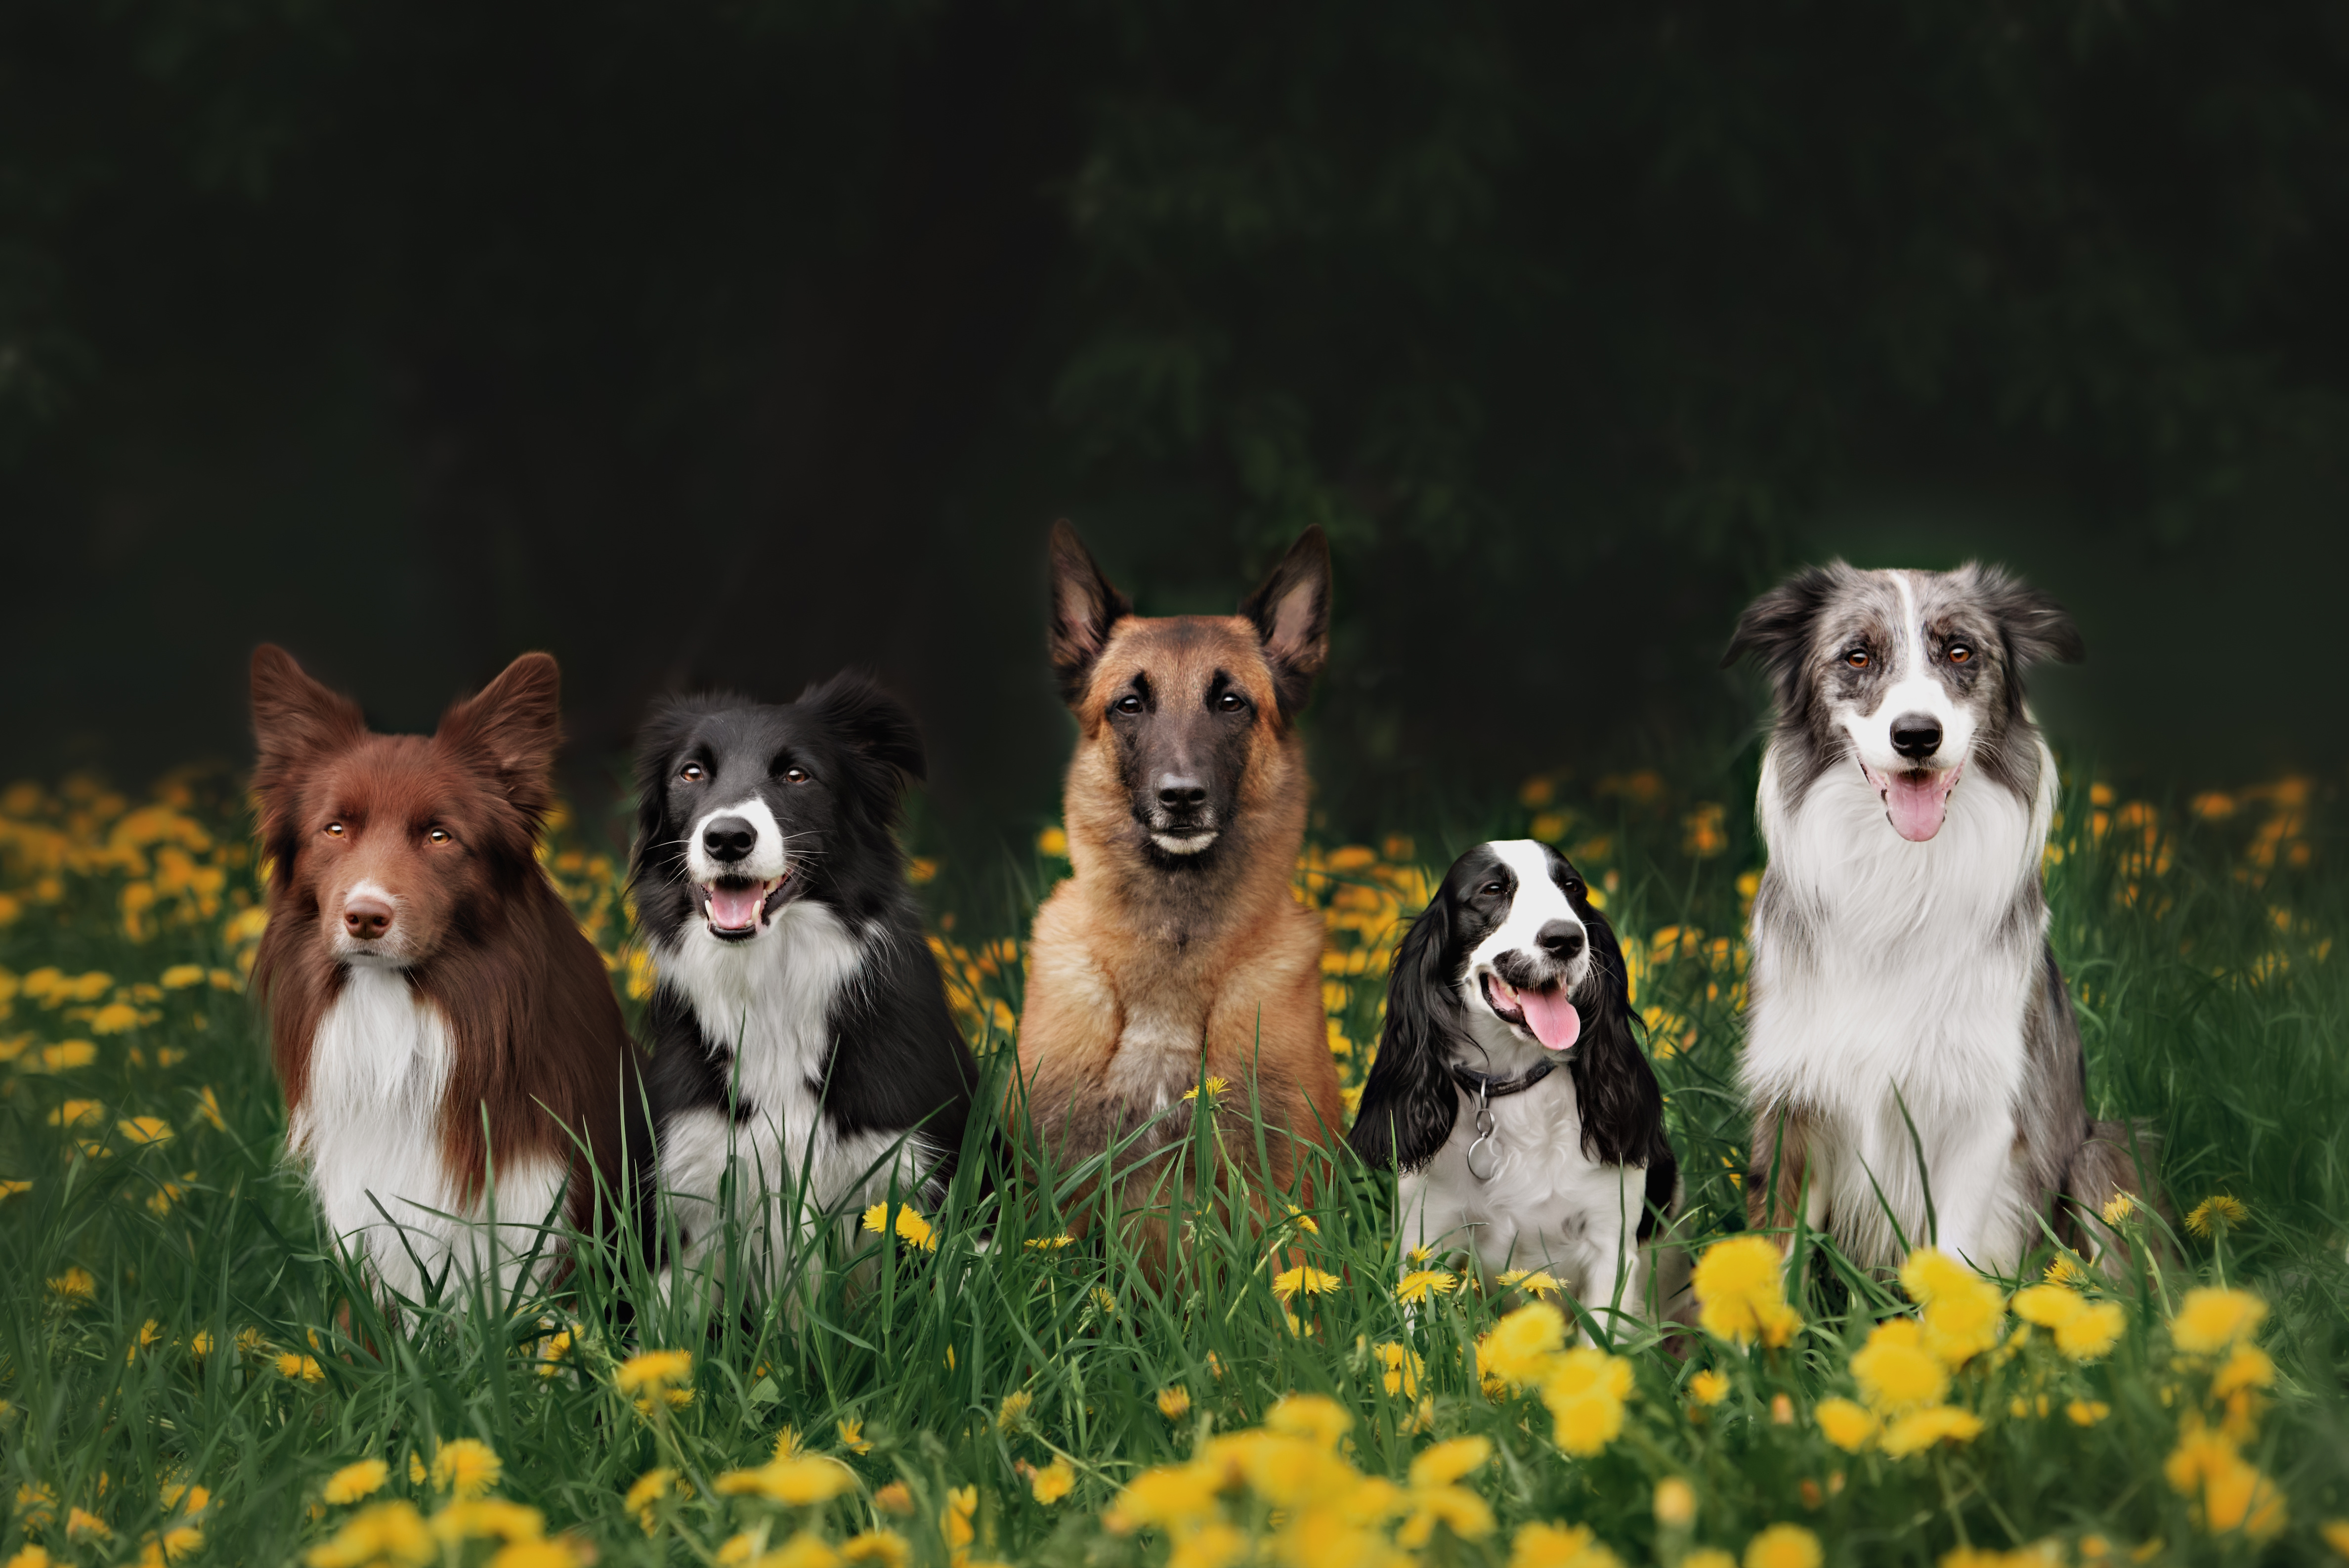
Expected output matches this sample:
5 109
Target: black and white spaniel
1509 1095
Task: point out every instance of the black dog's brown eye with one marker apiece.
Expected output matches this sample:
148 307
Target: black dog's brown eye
440 836
1129 704
691 773
1230 702
334 829
1959 652
796 774
1857 658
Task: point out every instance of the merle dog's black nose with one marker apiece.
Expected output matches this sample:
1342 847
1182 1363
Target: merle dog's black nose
1915 736
1561 939
729 839
1181 792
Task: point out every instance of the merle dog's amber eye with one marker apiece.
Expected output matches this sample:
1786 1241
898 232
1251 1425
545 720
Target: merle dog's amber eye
796 774
334 829
1129 704
440 836
1959 652
690 773
1857 658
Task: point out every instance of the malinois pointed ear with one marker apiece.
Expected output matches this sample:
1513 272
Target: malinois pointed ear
1291 613
1084 607
516 722
295 721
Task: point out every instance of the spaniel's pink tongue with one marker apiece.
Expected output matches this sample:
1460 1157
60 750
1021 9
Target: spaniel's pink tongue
736 908
1918 801
1551 1016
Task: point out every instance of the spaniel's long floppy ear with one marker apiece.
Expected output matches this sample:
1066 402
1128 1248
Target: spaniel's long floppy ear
1622 1109
513 724
1085 605
1410 1102
295 723
1291 615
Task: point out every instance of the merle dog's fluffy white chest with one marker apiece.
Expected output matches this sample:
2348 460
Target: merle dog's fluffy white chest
369 1132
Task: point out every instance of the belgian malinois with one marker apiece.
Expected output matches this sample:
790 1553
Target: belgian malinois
1176 952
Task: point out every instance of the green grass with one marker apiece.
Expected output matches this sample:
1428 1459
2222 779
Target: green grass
2199 948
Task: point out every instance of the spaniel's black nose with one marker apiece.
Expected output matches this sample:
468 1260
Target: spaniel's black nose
1561 939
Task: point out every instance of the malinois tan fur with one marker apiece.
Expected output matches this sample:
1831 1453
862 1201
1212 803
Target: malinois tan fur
1176 951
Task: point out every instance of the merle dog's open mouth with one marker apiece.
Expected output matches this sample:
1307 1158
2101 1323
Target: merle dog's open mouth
1547 1015
738 908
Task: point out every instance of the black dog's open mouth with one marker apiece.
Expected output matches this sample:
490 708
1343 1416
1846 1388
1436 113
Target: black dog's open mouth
1547 1015
738 908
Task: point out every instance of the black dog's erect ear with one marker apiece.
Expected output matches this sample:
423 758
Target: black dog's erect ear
1291 614
1776 627
1084 607
1410 1102
2036 628
875 722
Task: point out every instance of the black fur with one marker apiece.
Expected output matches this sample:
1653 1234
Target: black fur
1411 1101
895 1060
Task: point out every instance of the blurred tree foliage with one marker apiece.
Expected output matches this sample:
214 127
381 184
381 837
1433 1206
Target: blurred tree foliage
732 341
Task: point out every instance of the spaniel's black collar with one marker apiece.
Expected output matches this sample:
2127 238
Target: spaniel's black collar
1484 1086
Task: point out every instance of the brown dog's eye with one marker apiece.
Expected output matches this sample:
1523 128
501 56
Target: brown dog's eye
1857 658
690 773
1128 704
334 829
796 774
1959 652
440 836
1230 702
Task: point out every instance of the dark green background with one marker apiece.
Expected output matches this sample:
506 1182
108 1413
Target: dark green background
730 343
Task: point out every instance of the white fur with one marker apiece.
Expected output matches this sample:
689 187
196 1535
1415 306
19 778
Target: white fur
390 949
766 860
1183 846
766 998
369 1130
1903 984
1537 902
1914 688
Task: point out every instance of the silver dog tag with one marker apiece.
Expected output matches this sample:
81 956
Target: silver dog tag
1484 1135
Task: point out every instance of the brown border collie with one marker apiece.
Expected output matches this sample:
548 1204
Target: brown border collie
445 1035
1178 950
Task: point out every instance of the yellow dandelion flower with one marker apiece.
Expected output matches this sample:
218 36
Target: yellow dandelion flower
1419 1284
387 1532
896 1498
2212 1319
488 1518
144 1129
649 1371
2092 1332
2066 1269
1740 1300
83 1525
1304 1280
2118 1207
1783 1546
852 1435
2336 1535
9 1189
79 1113
1400 1368
1540 1545
554 1350
1675 1504
885 1547
646 1494
1584 1389
1048 1243
1013 1415
1053 842
1519 1347
1709 1387
1894 1369
1921 1429
1845 1423
1213 1085
1175 1403
353 1481
1052 1483
300 1368
74 1284
466 1467
2229 1493
2086 1412
796 1482
180 977
2216 1212
910 1228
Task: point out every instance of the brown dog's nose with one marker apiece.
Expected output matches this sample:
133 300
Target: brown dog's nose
366 918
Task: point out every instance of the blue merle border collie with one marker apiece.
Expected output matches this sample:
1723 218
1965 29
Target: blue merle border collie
1912 1060
1509 1093
804 1061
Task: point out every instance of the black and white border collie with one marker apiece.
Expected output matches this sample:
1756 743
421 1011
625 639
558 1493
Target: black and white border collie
1898 939
1509 1093
801 1042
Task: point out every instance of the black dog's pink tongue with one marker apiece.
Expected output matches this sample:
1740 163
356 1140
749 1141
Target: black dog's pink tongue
736 908
1551 1016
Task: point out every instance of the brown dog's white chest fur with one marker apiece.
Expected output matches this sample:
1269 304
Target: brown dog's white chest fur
1176 950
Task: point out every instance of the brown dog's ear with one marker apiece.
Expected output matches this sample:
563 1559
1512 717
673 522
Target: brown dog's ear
1291 613
295 721
1084 607
516 723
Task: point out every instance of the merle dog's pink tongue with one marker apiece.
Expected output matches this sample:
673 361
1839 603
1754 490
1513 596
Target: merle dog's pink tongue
736 908
1917 803
1551 1016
